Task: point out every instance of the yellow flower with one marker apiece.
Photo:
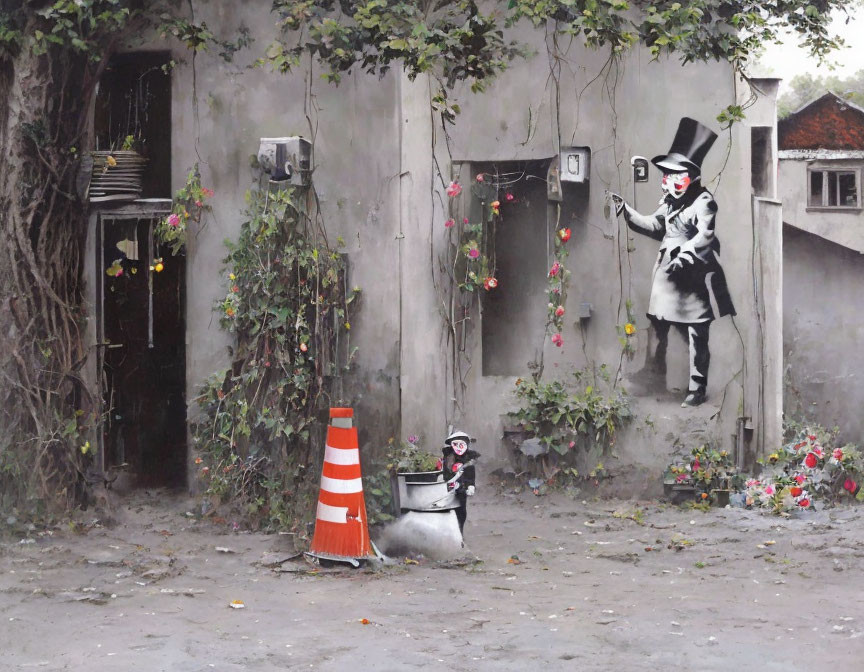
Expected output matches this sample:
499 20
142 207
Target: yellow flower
348 325
629 328
85 448
111 161
231 276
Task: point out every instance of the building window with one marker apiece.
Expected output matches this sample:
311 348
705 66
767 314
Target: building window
834 189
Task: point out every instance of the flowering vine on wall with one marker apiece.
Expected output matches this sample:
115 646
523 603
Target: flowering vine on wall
558 280
188 209
474 260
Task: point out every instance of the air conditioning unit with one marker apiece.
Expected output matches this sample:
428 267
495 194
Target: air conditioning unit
287 159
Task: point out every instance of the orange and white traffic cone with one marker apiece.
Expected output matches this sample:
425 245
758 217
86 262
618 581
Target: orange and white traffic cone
341 532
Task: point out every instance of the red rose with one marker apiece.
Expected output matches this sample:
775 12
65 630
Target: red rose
795 491
564 234
812 437
804 503
800 478
810 460
850 485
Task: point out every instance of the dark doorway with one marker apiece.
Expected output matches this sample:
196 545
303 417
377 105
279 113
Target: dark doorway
514 314
143 355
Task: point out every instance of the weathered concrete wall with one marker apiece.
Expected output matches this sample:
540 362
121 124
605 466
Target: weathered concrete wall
618 110
823 332
843 227
381 167
355 129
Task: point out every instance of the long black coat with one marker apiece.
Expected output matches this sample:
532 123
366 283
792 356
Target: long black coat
683 291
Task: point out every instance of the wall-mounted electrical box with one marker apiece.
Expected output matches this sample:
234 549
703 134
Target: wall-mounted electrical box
575 164
287 159
640 168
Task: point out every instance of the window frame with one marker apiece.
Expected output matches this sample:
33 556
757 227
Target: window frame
825 204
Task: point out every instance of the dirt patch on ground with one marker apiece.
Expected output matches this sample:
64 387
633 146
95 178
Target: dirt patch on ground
552 581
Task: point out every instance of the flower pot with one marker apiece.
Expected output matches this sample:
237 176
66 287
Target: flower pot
116 176
720 497
678 493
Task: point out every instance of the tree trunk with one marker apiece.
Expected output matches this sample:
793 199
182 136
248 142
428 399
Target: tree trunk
46 412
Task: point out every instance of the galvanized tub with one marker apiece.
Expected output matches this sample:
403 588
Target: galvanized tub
421 491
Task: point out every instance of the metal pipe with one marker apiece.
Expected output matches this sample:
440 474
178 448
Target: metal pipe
149 285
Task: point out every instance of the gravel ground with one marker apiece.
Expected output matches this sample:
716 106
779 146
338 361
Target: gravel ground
550 581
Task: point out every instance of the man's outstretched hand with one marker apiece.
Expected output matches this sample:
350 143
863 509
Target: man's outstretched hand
618 202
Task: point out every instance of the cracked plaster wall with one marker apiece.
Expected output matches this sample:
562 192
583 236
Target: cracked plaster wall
379 189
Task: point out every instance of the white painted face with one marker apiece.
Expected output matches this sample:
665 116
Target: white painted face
675 184
459 446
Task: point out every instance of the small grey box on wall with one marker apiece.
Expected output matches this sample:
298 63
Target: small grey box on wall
286 159
575 164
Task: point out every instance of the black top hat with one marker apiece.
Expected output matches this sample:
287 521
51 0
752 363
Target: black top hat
691 144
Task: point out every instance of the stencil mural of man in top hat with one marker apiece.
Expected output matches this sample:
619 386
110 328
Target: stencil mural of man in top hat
688 282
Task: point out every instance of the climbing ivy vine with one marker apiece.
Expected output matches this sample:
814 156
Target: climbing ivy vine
286 307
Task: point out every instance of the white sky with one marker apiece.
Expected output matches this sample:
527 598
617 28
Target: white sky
788 59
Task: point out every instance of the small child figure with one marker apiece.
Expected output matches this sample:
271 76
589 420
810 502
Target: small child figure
457 457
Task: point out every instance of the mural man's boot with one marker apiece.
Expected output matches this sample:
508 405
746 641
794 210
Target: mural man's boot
694 398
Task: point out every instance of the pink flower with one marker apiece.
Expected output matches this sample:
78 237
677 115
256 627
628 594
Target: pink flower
558 340
464 220
572 444
769 490
850 486
449 223
559 311
174 220
810 461
554 270
199 204
752 483
800 478
473 253
490 283
509 197
696 464
480 177
817 451
454 189
207 192
837 454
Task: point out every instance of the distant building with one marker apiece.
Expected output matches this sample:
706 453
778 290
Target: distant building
821 156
